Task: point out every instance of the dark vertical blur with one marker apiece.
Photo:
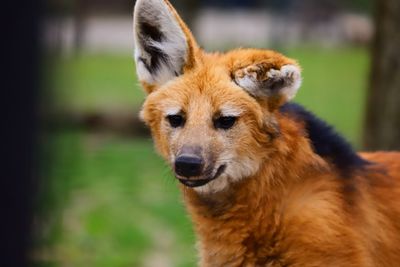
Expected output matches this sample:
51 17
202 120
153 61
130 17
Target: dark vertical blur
20 83
382 124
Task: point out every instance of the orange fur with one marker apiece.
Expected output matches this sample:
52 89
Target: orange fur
287 206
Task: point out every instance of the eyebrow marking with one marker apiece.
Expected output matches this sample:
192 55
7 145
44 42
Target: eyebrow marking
230 111
172 111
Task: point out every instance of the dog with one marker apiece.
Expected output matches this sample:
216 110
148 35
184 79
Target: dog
265 181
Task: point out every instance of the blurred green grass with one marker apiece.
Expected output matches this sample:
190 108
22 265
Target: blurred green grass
119 205
111 201
92 82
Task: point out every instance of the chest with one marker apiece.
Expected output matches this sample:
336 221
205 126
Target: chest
244 245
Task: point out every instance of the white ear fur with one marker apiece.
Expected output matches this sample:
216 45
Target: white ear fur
285 82
161 47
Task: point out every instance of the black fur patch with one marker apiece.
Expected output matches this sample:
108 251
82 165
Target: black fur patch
150 33
326 141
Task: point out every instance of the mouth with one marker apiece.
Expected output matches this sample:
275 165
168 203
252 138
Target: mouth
201 182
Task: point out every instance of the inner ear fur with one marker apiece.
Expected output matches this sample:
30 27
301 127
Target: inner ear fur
164 46
270 77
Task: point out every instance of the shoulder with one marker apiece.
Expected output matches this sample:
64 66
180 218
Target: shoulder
325 141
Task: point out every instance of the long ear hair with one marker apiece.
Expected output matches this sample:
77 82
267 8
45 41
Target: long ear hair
164 46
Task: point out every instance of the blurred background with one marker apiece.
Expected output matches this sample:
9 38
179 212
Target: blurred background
105 198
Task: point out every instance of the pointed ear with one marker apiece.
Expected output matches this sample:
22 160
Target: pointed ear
274 84
164 46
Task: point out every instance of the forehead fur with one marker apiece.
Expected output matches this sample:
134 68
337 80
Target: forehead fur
208 88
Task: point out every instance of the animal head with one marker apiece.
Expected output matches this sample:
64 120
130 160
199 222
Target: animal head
212 115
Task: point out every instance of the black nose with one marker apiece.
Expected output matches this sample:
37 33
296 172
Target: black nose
188 166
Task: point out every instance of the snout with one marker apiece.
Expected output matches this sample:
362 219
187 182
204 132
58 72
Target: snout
191 172
189 166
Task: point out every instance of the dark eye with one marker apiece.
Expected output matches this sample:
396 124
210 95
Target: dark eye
176 120
224 123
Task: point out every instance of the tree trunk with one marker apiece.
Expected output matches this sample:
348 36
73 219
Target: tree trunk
383 110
